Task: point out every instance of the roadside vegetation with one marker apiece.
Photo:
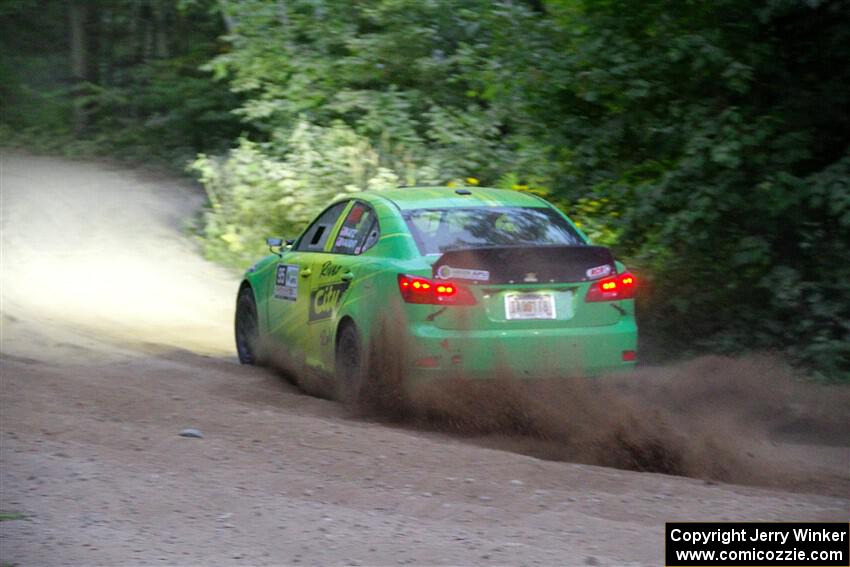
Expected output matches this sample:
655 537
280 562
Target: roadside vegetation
706 142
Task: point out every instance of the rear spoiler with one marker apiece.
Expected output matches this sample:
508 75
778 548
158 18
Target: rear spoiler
526 264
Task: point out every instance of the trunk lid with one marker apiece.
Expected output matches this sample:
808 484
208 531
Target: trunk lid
526 287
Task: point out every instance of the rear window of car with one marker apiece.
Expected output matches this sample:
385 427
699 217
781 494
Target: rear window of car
440 230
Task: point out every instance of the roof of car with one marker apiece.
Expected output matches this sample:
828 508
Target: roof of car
448 197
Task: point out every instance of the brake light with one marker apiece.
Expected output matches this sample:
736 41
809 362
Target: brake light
615 288
415 289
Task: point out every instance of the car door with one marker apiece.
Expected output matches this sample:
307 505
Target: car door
292 284
338 273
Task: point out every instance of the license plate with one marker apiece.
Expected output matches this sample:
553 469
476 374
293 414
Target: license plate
530 306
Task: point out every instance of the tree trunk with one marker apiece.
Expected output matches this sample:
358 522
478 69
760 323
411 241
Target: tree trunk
78 18
161 30
229 21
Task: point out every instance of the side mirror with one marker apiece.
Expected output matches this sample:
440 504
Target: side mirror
274 243
279 243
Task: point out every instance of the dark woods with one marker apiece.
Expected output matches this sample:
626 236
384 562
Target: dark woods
121 76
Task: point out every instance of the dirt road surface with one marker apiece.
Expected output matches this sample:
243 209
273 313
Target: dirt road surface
116 336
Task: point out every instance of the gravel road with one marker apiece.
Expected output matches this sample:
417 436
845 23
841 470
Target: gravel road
116 336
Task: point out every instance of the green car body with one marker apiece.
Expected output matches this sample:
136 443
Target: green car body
354 266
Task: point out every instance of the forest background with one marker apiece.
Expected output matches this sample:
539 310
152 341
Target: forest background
708 143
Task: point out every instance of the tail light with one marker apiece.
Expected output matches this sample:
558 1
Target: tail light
615 288
415 289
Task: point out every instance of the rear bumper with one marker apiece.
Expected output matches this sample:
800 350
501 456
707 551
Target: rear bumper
542 353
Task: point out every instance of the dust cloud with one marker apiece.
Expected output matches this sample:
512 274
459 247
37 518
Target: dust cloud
714 418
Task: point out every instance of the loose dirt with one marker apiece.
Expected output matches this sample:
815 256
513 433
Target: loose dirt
713 418
116 336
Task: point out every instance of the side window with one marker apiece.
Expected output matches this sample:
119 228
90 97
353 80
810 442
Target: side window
317 235
359 232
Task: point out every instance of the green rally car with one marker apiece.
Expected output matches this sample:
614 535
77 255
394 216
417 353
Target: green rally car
474 280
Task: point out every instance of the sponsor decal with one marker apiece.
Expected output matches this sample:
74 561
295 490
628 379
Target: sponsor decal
325 299
286 282
345 243
347 238
599 271
348 232
329 270
447 272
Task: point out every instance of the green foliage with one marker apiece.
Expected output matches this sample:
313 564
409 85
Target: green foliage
165 110
406 74
344 99
706 142
135 102
252 195
720 130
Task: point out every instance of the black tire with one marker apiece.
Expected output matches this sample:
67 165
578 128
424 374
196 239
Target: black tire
350 366
246 327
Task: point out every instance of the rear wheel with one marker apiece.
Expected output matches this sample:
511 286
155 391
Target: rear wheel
247 326
350 365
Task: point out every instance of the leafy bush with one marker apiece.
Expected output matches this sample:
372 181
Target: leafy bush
253 194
